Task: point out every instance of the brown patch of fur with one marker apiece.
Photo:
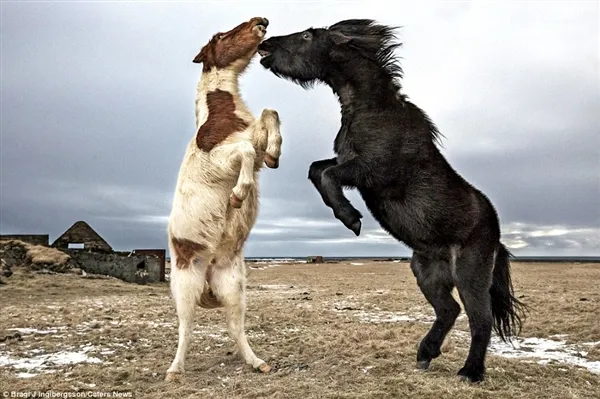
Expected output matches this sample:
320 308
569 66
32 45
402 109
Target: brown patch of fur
185 250
221 122
226 48
208 299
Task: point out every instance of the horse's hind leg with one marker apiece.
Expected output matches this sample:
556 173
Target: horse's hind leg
435 280
473 277
187 282
228 282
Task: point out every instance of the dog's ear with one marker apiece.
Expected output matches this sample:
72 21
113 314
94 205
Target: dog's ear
201 56
339 38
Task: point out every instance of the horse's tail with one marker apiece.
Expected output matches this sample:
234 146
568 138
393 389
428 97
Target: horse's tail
208 299
508 312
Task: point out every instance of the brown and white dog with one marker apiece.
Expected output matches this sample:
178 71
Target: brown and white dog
216 200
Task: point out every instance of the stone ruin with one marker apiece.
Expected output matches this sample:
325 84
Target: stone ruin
314 259
81 236
83 248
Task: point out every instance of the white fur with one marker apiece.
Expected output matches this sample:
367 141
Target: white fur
202 213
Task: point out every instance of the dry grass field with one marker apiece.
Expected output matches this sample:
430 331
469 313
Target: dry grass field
329 331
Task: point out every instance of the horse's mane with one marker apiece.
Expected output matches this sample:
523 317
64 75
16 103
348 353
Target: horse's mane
378 42
374 41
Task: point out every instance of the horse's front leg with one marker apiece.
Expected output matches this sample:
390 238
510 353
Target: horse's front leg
242 157
267 137
329 178
316 170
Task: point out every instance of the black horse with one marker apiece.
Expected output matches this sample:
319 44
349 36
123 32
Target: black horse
387 149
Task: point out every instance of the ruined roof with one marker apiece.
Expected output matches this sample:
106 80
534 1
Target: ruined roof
82 233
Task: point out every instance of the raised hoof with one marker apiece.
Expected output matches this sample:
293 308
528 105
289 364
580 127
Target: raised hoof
423 364
234 201
271 162
356 227
263 368
173 376
471 376
350 217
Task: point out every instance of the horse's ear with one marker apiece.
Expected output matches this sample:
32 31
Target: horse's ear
339 38
200 57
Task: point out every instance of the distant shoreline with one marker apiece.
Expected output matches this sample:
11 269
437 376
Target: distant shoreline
303 259
592 259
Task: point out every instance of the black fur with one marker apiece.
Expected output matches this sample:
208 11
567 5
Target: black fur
387 149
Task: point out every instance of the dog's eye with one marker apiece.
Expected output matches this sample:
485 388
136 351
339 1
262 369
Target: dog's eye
219 37
306 36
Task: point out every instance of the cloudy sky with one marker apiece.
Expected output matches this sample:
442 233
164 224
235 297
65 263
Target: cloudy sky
98 108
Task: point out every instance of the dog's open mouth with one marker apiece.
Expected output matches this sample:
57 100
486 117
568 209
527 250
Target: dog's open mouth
263 53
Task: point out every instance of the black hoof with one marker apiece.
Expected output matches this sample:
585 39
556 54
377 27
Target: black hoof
350 217
471 376
423 364
356 227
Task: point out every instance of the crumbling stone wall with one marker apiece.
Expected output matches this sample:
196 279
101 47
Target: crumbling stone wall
13 252
160 253
122 265
33 239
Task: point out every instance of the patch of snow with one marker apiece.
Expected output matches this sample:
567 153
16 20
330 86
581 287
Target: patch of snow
88 385
25 331
379 316
274 287
264 261
546 350
26 375
559 336
366 369
42 362
126 345
217 336
154 324
390 317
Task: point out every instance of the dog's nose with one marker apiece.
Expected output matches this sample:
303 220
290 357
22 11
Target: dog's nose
265 22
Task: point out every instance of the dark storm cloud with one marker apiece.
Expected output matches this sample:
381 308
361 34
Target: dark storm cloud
97 108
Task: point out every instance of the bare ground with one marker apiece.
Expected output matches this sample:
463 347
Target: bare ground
330 331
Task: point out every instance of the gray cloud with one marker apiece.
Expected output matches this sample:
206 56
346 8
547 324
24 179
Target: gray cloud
97 109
